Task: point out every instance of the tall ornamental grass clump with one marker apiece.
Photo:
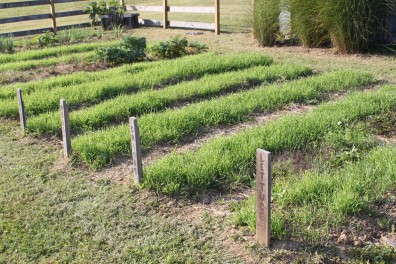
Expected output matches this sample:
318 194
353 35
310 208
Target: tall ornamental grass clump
266 21
306 22
353 24
348 25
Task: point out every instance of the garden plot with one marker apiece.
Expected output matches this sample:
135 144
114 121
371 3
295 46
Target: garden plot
120 108
167 72
230 158
98 148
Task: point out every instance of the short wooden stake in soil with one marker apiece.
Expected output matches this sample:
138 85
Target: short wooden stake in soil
21 106
136 151
65 128
263 204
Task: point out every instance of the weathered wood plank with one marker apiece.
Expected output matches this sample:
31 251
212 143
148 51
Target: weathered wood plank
33 3
150 23
24 18
40 16
263 192
194 25
65 128
21 106
70 13
145 8
42 30
192 9
136 151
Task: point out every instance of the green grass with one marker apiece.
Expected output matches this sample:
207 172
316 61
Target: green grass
59 215
229 159
120 108
52 52
98 148
33 64
166 72
64 81
325 199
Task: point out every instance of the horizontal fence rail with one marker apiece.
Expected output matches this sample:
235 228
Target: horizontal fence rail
33 3
165 23
165 9
52 16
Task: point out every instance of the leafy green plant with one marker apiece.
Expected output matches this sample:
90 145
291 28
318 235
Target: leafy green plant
47 39
130 50
6 44
95 9
114 10
176 47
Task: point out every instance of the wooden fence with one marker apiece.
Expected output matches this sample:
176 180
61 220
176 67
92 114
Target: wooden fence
52 16
165 9
165 23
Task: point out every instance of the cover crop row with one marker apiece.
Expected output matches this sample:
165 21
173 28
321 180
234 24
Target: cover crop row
98 148
63 81
166 72
231 158
327 197
51 52
120 108
32 64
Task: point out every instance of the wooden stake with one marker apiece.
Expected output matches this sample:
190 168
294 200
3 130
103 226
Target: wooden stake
263 204
21 106
65 128
217 17
165 14
136 151
53 15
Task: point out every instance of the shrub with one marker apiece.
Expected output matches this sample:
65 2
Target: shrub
176 47
173 48
130 50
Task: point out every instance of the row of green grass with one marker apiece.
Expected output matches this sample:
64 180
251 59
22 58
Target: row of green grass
323 200
230 159
58 51
63 81
120 108
33 64
166 72
98 148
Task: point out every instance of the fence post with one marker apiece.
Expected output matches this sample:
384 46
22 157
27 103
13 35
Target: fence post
263 204
65 128
217 17
21 106
53 15
136 151
165 14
